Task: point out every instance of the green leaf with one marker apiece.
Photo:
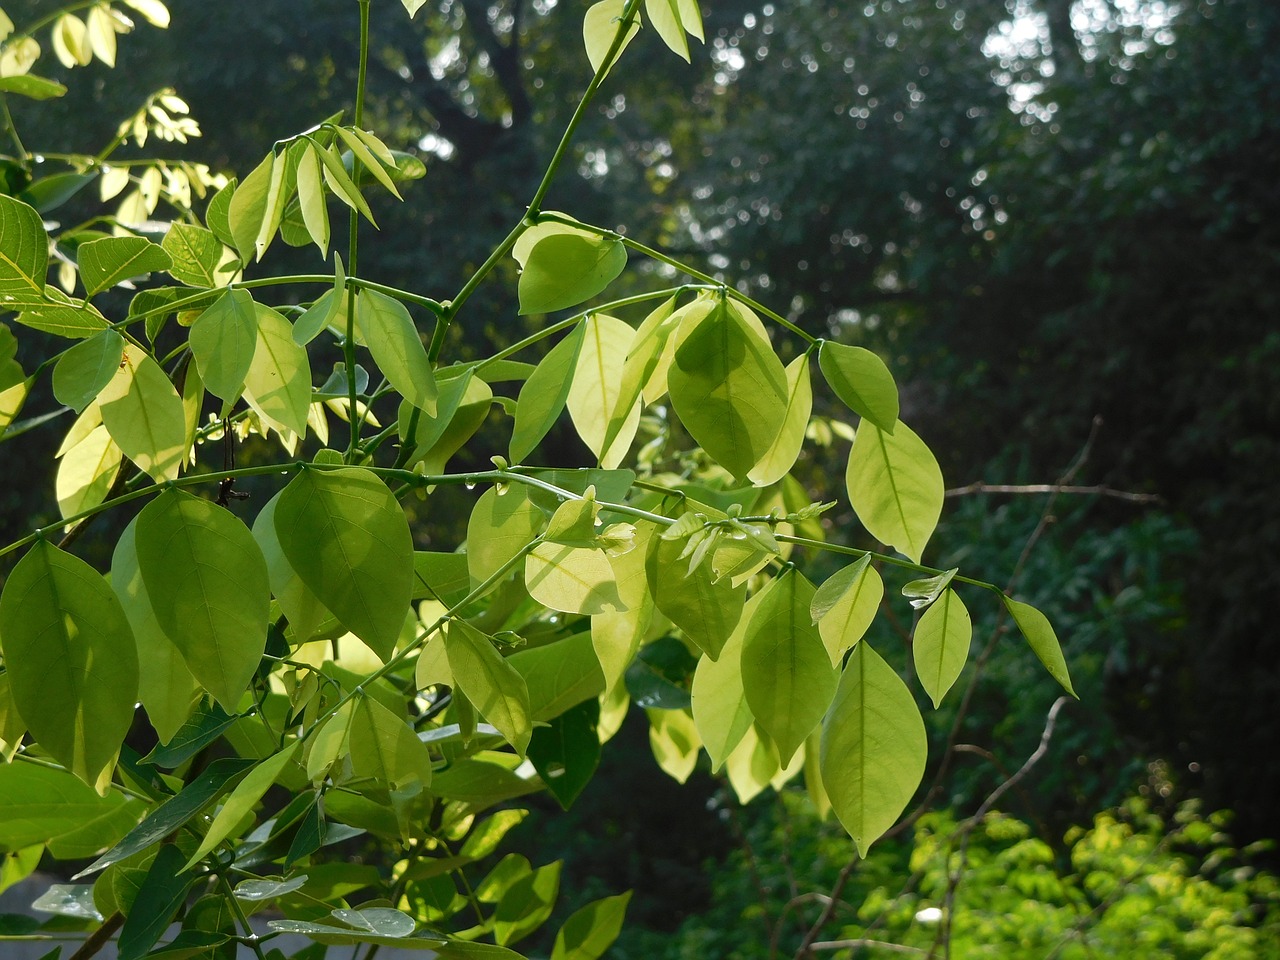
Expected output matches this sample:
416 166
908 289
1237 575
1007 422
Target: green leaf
940 645
596 390
499 529
923 592
559 675
590 931
243 799
86 472
144 415
704 608
106 262
48 193
488 834
481 781
217 216
572 579
672 19
360 150
33 87
71 660
247 208
1035 626
347 538
385 748
166 687
86 368
60 315
315 211
599 29
564 269
544 394
527 904
862 382
490 683
895 487
339 180
278 383
720 709
207 582
195 254
173 813
162 892
786 672
846 604
673 737
222 342
40 805
567 752
785 449
302 608
873 748
413 6
24 254
729 390
397 349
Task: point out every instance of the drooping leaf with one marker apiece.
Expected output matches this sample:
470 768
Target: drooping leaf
300 606
106 262
862 382
590 931
207 582
526 904
782 453
596 388
672 19
86 368
86 472
940 644
278 382
544 395
600 28
720 709
495 688
71 660
566 752
385 748
564 269
166 687
895 487
223 341
673 737
873 748
729 390
243 799
347 538
786 672
315 212
144 415
392 338
248 207
846 604
39 805
1035 626
163 891
704 608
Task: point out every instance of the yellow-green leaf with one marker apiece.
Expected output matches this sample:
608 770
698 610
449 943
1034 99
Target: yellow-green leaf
1035 626
564 269
144 414
71 660
278 382
544 395
242 800
492 685
940 644
392 338
895 487
862 382
223 341
86 368
596 390
600 28
782 453
846 604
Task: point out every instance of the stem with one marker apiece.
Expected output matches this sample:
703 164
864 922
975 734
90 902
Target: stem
353 250
884 558
250 938
12 127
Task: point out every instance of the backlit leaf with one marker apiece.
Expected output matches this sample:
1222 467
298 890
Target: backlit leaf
278 382
729 390
24 253
86 368
347 538
315 212
1035 626
71 660
706 609
207 582
590 931
873 748
720 708
544 394
392 338
600 28
499 528
243 799
786 672
144 414
846 604
223 340
86 472
597 385
782 453
862 382
106 262
565 269
385 748
195 253
572 579
673 737
895 487
940 644
495 688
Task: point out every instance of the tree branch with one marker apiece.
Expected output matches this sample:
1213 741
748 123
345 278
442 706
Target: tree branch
1032 488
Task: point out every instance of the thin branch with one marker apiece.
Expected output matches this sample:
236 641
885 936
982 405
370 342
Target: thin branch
855 944
1054 488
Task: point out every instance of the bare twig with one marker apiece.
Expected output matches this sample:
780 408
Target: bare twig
965 830
854 944
99 938
1055 488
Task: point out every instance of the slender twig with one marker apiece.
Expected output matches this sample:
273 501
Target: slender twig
856 944
99 938
1055 488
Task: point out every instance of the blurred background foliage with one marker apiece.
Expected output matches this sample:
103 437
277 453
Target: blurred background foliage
1044 213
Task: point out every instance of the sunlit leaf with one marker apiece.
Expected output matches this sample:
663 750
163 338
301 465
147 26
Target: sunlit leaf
565 269
86 368
895 487
106 262
1035 626
940 644
778 460
544 395
223 339
846 604
596 390
862 382
393 340
498 692
144 414
600 28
